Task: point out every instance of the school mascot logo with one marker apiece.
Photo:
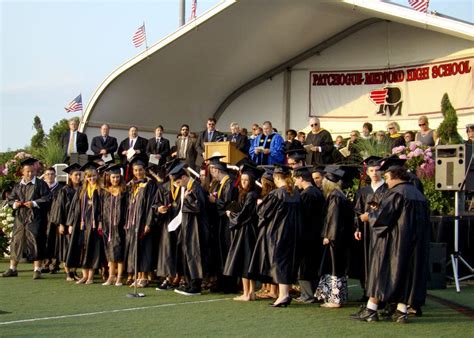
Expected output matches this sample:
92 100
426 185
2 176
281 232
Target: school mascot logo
389 100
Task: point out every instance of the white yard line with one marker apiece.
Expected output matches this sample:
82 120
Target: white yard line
110 311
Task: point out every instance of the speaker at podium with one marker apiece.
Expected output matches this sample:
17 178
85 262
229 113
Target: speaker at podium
227 149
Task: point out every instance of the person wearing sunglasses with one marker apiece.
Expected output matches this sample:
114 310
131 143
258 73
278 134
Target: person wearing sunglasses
319 143
425 135
394 137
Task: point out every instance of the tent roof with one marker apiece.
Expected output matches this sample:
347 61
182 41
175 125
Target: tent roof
198 70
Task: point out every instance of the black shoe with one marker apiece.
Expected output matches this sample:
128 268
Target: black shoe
36 274
10 273
358 313
44 270
400 317
165 286
286 302
369 315
189 292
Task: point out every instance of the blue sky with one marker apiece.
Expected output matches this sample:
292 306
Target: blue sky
53 50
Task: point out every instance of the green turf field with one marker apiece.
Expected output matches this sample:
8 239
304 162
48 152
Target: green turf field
96 310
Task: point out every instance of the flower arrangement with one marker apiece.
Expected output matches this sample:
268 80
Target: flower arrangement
6 228
419 159
9 171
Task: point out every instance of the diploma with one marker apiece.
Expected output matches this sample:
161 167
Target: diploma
153 160
107 158
175 222
130 153
308 147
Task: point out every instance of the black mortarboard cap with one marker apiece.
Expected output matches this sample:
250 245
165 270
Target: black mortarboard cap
298 154
28 161
171 164
178 170
90 165
268 171
372 161
153 168
282 169
251 170
72 168
318 169
139 160
114 169
102 168
391 163
245 160
302 171
333 173
215 161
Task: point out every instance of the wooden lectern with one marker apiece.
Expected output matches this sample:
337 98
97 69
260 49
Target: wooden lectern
227 149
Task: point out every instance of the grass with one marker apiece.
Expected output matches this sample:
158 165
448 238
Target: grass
167 313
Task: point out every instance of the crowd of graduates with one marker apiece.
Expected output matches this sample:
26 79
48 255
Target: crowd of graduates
277 225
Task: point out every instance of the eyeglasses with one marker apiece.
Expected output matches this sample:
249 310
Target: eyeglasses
184 129
390 128
313 125
353 135
422 124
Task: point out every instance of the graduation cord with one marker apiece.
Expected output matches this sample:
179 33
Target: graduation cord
224 180
83 210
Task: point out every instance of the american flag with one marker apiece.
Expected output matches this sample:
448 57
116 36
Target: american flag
75 105
139 37
419 5
193 10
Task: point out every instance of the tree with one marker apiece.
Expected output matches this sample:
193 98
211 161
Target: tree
57 130
38 139
448 129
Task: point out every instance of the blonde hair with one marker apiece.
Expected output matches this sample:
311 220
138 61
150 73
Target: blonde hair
87 173
424 119
395 125
328 187
289 183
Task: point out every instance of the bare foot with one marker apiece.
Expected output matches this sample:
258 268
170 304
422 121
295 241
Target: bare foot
244 298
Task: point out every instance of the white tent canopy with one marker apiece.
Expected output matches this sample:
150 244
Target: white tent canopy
197 71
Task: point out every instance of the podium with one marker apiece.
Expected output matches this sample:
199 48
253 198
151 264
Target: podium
227 149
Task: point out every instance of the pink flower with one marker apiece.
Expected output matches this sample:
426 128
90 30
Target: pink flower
418 143
418 152
429 154
410 155
412 146
403 157
397 150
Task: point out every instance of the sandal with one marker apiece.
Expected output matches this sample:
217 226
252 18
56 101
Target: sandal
82 280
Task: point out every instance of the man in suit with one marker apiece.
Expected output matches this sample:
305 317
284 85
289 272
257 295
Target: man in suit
158 146
73 141
208 135
186 147
104 144
241 141
134 141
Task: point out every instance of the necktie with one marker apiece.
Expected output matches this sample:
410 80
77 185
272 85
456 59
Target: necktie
157 144
209 136
131 144
70 147
105 138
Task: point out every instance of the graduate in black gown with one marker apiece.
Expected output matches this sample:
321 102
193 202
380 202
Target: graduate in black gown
60 213
243 221
168 205
310 247
194 234
86 245
114 212
141 192
367 198
224 194
51 260
28 199
399 261
275 254
337 234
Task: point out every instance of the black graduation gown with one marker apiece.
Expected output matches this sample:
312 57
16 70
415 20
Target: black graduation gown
138 216
228 194
59 214
322 139
275 255
167 260
114 212
86 244
28 236
360 250
338 228
52 251
243 228
310 246
194 234
399 263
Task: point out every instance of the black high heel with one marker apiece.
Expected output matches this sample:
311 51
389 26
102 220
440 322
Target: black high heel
286 302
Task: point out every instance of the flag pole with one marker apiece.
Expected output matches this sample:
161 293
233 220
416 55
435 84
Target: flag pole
144 31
